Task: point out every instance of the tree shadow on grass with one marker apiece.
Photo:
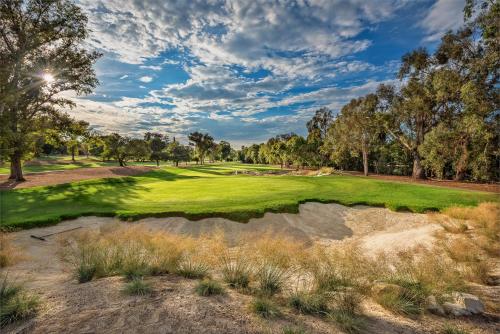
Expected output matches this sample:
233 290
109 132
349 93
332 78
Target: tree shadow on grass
32 207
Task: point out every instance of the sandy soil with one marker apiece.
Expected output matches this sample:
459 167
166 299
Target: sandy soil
58 177
100 306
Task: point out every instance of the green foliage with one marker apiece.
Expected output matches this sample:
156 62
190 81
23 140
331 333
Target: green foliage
350 323
309 303
293 330
209 287
15 303
138 286
192 269
265 308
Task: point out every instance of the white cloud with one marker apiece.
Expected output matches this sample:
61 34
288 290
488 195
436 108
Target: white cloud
124 77
444 15
146 79
151 67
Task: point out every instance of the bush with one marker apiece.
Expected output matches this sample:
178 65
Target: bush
265 308
403 297
308 303
139 287
209 288
15 303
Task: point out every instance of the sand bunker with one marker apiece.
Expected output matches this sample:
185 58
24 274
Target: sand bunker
99 306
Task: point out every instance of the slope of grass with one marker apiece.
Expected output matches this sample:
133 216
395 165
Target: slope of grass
197 192
55 163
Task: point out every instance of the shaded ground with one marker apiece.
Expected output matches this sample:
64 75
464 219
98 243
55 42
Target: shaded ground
58 177
490 187
100 306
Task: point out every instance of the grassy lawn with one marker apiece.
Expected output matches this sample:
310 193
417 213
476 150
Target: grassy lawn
204 191
54 163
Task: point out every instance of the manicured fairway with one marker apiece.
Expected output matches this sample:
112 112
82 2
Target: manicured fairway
214 190
65 163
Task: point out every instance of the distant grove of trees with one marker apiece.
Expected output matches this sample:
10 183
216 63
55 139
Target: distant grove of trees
441 120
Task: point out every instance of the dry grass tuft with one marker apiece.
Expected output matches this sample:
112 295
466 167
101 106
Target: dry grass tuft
9 254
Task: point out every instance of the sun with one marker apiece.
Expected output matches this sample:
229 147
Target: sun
48 77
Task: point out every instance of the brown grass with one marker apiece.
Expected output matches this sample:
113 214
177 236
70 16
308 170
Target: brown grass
9 254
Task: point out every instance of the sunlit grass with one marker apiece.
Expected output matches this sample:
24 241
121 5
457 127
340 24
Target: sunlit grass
207 191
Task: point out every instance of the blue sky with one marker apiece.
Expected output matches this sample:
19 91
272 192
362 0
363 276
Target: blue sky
246 70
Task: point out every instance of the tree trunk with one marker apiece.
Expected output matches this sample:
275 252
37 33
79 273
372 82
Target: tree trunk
418 170
157 163
73 154
177 164
16 169
462 163
365 162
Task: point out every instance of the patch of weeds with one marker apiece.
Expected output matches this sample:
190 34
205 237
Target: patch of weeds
209 287
15 303
192 269
403 296
85 272
271 279
349 322
309 303
138 287
265 308
452 329
237 275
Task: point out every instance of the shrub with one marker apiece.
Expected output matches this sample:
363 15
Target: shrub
138 286
347 301
15 303
309 303
209 288
265 308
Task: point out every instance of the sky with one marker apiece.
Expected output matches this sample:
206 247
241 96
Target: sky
246 70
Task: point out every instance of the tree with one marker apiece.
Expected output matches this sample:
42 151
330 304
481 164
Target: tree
203 143
223 150
138 149
297 150
117 147
71 133
157 143
41 55
317 129
178 152
356 129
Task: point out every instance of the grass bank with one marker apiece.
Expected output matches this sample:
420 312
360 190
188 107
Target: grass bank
214 190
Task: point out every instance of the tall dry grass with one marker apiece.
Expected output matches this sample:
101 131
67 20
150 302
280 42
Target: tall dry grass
9 254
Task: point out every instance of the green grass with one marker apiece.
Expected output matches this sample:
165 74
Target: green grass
209 288
138 287
204 191
57 163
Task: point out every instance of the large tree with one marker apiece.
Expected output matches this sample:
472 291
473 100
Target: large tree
356 129
157 143
203 143
317 129
41 55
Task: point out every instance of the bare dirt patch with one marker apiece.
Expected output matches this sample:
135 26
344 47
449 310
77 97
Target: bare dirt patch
100 306
66 176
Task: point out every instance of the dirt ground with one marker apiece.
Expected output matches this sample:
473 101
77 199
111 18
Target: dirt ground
101 307
58 177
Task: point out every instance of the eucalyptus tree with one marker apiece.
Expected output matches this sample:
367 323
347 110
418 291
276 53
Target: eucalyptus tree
41 55
203 143
317 128
356 129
